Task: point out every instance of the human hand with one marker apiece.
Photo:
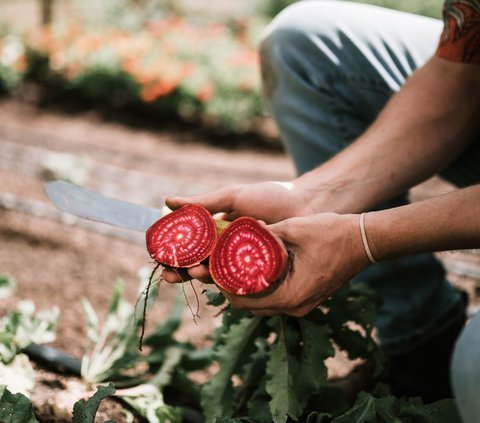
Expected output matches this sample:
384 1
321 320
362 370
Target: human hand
326 251
267 201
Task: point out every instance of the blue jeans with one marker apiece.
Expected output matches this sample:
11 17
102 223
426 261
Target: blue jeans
328 68
465 371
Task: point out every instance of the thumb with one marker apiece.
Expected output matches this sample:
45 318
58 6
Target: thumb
285 230
215 202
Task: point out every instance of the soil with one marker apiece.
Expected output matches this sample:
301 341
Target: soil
57 260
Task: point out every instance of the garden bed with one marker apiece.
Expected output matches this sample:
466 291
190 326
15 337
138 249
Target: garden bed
56 263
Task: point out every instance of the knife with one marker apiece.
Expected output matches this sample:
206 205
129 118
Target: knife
91 205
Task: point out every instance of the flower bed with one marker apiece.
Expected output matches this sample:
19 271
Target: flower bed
169 68
12 62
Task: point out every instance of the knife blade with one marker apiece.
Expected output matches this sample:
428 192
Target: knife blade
92 205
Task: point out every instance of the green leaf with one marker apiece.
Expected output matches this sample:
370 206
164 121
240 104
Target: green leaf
7 286
91 321
359 304
197 359
22 327
230 317
147 400
182 384
316 417
163 377
215 299
162 335
369 408
363 411
112 349
231 353
15 408
385 409
259 411
84 411
252 393
281 371
316 348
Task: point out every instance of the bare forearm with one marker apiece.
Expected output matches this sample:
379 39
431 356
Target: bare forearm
448 222
421 130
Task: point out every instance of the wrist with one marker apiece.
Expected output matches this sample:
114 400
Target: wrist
326 193
353 237
366 245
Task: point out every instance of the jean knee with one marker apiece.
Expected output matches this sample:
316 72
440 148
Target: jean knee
289 42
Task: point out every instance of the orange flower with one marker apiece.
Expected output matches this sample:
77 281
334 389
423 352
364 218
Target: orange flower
205 93
159 89
21 64
244 58
89 43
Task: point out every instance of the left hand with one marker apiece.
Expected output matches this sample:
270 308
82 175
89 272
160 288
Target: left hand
327 251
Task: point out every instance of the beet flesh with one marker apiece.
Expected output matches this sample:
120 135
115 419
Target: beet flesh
247 258
182 238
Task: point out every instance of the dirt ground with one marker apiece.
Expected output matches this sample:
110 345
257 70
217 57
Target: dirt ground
56 259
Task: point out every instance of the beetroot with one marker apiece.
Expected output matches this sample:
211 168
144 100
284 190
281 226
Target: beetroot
247 258
182 238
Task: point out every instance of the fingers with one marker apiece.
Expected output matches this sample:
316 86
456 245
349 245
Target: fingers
199 272
175 275
215 202
266 313
285 229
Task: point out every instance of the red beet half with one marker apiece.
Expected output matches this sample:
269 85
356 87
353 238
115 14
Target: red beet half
182 238
247 258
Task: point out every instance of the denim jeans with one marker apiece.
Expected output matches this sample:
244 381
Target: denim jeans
328 68
465 371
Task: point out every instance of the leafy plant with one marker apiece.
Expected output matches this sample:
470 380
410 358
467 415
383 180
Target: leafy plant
84 411
12 61
7 286
113 355
278 362
111 349
268 369
147 399
18 375
380 407
167 68
23 326
15 408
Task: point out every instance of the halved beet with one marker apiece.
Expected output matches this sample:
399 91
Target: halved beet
247 258
182 238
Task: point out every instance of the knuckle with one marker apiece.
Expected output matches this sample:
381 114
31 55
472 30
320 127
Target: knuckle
299 311
237 304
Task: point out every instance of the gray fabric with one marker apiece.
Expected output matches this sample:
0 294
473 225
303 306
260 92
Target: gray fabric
465 371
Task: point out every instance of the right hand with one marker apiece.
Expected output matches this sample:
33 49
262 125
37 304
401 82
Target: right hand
267 201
